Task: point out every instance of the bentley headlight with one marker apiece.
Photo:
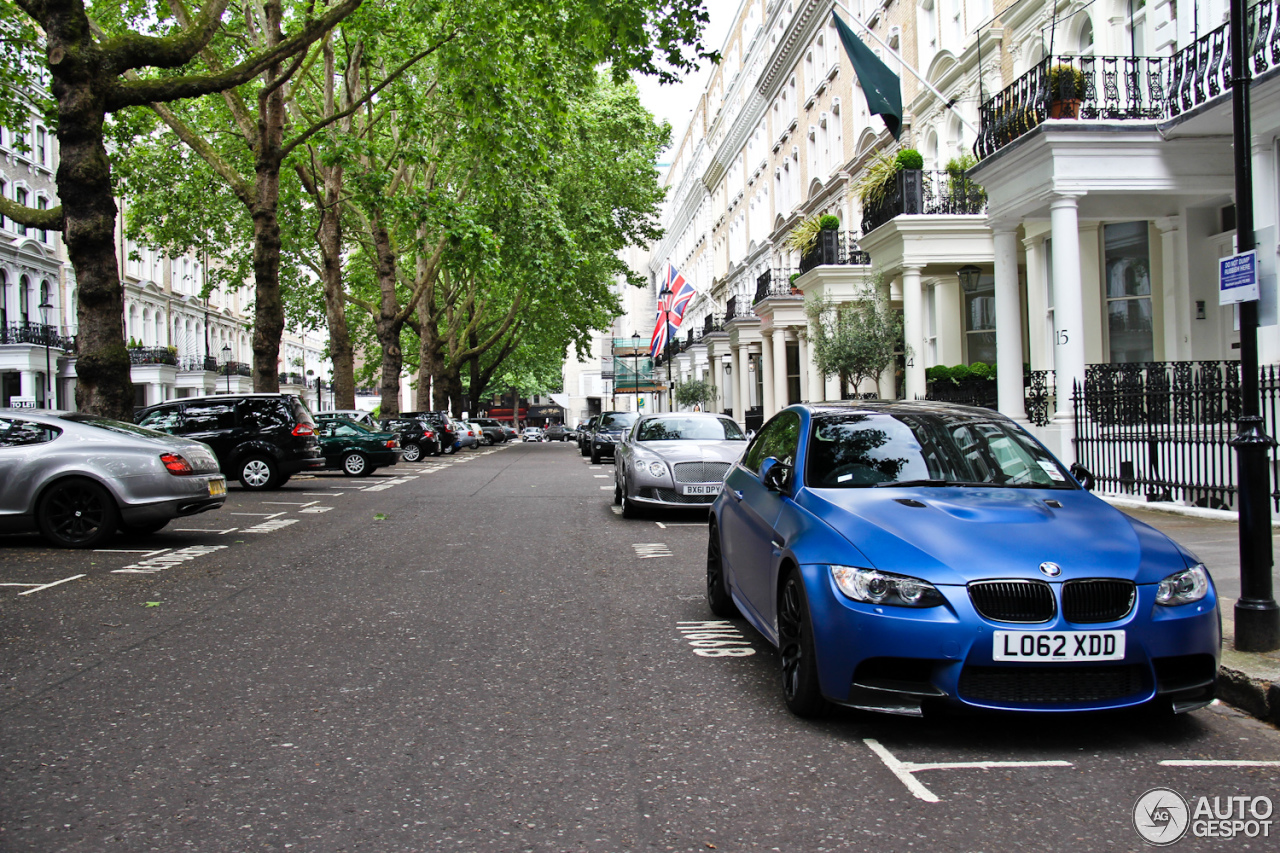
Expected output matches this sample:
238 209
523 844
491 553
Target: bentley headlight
1183 587
875 587
657 469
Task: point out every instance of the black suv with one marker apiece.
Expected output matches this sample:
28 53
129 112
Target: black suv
259 439
418 436
493 432
442 423
608 431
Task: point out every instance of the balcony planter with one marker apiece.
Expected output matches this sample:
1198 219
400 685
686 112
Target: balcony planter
1065 109
1066 91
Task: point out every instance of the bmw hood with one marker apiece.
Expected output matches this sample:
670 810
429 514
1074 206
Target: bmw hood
964 534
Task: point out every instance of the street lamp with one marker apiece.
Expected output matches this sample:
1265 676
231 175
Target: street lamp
44 319
635 366
226 361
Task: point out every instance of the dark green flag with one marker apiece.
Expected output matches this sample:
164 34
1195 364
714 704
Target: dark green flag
881 86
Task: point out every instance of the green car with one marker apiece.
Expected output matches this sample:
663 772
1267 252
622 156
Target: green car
356 449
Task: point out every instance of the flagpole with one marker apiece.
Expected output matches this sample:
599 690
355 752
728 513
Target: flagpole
908 66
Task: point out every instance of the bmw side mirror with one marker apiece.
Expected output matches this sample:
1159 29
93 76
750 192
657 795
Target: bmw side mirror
1083 476
775 475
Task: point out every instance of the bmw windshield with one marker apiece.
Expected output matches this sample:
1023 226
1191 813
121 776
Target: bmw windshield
872 449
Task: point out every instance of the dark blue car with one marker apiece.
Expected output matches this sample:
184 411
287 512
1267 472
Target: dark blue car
905 554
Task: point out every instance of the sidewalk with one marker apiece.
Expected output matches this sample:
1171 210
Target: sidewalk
1250 681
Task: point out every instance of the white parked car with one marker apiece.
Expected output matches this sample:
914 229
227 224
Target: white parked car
532 434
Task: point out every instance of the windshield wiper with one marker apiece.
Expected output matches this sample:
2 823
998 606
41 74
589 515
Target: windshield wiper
905 483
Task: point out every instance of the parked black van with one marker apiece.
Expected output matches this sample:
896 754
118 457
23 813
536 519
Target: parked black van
259 439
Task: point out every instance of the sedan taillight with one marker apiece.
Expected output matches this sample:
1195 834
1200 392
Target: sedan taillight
304 429
391 442
176 465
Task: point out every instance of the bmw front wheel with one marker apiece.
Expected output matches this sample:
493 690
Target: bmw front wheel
795 646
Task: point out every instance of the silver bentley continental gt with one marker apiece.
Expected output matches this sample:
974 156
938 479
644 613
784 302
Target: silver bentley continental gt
674 459
79 478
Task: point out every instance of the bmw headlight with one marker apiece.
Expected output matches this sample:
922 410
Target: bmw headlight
1183 587
657 469
875 587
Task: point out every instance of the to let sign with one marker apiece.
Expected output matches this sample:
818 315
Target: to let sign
1238 278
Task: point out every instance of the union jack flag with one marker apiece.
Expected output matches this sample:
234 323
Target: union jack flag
671 309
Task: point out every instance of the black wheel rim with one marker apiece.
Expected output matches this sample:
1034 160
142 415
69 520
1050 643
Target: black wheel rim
790 625
76 514
715 571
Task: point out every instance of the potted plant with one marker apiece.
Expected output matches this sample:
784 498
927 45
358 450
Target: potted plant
1066 91
794 290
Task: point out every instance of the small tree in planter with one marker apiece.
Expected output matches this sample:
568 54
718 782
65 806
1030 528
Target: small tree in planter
1066 91
855 340
696 392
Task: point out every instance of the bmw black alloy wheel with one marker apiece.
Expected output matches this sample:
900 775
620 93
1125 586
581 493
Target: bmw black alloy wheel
795 645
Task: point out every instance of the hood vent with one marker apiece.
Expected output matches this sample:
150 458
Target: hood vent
910 502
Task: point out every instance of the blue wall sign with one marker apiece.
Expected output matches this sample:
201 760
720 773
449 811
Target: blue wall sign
1238 278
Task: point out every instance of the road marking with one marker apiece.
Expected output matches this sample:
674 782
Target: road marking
904 770
271 525
605 488
167 561
48 585
315 510
1195 762
262 514
665 525
617 510
389 484
715 639
147 551
601 476
649 550
324 494
286 503
205 530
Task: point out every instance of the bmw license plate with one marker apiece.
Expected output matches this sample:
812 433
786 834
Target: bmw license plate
708 489
217 486
1058 646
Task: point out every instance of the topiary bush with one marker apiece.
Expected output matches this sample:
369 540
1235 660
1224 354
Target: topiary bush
981 370
937 373
829 223
961 372
909 158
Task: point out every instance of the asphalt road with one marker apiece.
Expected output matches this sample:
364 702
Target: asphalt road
478 653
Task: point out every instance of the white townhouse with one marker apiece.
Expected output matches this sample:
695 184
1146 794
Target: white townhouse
1075 197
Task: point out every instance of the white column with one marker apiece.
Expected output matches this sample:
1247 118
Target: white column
1068 302
27 383
1008 325
726 383
887 386
712 376
768 404
780 398
1174 298
740 390
1037 305
804 368
913 327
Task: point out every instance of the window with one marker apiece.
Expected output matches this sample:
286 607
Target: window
980 322
168 419
42 203
793 372
41 140
19 433
1128 288
4 190
24 299
20 196
778 438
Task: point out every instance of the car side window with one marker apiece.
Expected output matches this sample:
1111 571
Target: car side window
779 438
209 417
168 419
20 433
260 414
345 429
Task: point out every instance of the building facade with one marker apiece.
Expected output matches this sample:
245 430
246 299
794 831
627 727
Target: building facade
1075 196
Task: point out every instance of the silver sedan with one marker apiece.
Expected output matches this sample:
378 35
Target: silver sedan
78 478
674 460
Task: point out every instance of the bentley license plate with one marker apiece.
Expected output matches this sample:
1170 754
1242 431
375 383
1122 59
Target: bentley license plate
708 489
217 486
1058 646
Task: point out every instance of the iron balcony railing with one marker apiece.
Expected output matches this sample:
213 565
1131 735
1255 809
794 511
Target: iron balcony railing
834 248
292 379
713 323
235 368
152 355
1163 429
738 308
1144 88
197 363
916 191
35 333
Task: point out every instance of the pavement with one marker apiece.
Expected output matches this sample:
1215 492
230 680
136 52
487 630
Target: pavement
1248 680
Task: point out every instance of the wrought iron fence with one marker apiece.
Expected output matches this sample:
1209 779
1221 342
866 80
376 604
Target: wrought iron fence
1040 395
841 250
196 363
152 355
292 379
713 323
738 308
916 191
235 368
1162 429
34 333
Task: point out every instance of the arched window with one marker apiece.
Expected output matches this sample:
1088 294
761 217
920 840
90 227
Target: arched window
1085 38
44 301
4 298
24 299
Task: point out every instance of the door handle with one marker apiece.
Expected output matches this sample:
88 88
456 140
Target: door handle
775 543
737 495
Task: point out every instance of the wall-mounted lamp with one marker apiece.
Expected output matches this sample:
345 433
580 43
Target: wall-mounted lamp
969 276
728 368
1199 309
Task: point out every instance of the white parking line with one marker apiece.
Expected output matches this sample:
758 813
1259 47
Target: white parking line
259 514
46 586
205 530
904 769
315 510
146 551
286 503
605 488
157 564
649 550
1195 762
665 524
601 476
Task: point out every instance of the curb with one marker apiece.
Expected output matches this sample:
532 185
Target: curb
1123 502
1250 686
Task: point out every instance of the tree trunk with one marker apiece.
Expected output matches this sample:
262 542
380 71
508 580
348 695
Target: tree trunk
386 325
329 238
473 393
430 362
103 385
453 381
268 306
